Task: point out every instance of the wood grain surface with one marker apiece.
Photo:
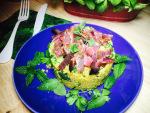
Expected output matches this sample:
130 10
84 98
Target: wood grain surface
137 32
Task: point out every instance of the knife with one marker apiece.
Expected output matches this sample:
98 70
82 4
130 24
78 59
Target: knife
39 19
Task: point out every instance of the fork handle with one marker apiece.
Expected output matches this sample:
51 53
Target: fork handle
6 53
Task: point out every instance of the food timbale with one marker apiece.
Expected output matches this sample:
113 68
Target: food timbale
82 56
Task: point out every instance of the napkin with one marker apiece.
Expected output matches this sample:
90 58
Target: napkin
25 29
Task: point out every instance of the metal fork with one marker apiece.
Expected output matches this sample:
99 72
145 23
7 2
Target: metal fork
6 53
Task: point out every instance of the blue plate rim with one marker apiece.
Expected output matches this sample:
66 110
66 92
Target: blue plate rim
141 66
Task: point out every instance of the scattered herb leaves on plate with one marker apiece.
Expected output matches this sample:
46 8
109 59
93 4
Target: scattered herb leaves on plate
29 79
109 82
97 102
119 69
74 48
120 59
22 70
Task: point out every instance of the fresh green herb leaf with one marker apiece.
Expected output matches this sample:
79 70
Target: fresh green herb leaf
79 28
97 102
46 61
96 93
49 85
102 6
105 92
38 55
60 89
72 96
115 2
120 59
74 48
139 6
22 70
90 4
31 70
47 54
81 2
41 76
29 79
109 82
36 60
119 69
74 70
81 103
71 100
91 42
72 92
77 38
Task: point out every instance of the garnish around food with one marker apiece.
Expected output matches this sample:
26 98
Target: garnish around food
82 59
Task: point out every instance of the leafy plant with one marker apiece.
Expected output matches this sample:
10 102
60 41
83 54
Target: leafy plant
102 5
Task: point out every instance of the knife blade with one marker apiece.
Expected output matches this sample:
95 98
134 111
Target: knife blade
39 19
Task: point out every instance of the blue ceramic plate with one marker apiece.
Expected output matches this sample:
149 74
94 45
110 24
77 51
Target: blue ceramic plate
124 92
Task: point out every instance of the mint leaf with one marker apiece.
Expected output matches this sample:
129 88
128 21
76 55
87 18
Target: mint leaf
41 76
72 92
71 100
109 82
74 70
36 60
72 96
119 69
102 6
105 92
47 54
97 102
49 85
120 59
77 38
22 70
79 28
115 2
46 61
29 79
91 42
74 48
81 103
96 93
60 89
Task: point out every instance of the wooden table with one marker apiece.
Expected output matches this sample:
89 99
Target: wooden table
137 32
